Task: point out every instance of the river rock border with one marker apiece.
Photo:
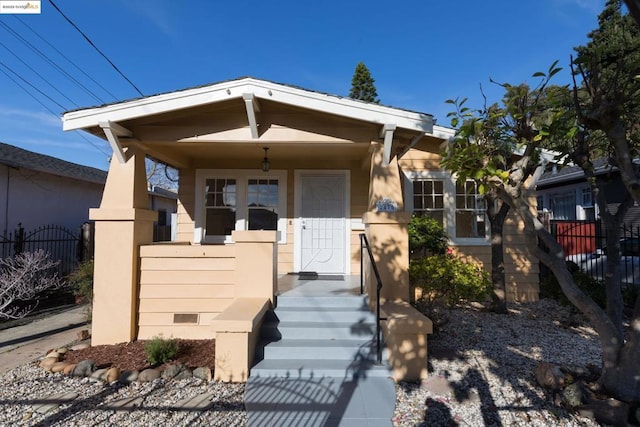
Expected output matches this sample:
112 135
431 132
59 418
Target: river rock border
87 368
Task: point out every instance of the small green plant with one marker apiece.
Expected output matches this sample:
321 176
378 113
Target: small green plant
82 281
449 280
426 237
549 288
160 350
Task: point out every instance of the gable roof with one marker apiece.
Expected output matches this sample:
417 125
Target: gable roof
19 158
230 89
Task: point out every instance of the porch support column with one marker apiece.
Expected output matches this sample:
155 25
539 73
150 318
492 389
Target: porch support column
385 181
388 237
387 232
256 264
123 223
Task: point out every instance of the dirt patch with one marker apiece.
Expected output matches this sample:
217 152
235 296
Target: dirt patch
131 356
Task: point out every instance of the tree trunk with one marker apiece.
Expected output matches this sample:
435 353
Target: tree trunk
496 220
621 361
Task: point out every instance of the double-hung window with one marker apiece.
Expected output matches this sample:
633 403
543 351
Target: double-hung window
228 200
457 205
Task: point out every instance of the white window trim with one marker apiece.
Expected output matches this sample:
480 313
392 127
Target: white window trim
449 202
242 177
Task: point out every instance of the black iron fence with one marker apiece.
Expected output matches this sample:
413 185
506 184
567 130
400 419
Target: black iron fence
584 243
66 246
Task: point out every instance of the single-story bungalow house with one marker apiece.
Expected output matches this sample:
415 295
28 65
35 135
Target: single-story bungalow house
274 179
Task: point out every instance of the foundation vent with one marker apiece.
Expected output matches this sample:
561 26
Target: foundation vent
185 318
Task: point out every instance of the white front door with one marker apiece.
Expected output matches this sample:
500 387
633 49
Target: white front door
322 222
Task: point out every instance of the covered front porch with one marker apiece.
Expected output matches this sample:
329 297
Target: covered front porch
273 180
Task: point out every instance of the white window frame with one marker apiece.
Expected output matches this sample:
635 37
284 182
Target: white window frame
449 202
242 177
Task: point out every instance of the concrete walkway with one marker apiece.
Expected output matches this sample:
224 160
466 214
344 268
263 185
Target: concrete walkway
31 340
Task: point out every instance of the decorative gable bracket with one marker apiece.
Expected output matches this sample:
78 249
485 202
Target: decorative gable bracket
113 132
251 103
387 133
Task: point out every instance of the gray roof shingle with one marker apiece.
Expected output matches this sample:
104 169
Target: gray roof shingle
19 158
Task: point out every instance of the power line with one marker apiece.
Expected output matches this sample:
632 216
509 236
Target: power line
95 47
28 93
65 57
32 86
96 146
38 74
50 61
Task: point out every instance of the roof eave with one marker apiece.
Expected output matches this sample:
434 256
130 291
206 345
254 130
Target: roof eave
173 101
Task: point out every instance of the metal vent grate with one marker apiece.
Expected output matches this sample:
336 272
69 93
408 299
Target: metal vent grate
185 318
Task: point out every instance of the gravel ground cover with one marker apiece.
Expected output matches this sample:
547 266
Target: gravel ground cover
482 368
481 374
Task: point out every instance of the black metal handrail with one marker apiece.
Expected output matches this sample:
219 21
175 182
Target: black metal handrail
364 244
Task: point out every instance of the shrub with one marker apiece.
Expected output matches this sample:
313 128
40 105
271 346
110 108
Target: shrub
426 236
82 280
160 350
449 280
550 288
23 278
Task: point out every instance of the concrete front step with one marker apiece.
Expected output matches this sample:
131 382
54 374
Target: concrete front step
321 349
320 402
317 368
276 330
345 301
324 314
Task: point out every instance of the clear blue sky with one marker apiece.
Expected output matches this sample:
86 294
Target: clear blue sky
419 52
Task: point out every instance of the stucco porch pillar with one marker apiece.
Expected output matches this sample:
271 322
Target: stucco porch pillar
123 223
387 232
389 240
256 264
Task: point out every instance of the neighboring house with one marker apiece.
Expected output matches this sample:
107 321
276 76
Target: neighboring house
37 190
274 179
563 193
165 203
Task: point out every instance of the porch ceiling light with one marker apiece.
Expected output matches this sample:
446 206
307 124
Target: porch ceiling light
265 162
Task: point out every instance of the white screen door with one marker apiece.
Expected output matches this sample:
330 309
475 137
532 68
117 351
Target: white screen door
323 224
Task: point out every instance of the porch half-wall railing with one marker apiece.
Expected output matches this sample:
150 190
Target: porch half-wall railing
364 244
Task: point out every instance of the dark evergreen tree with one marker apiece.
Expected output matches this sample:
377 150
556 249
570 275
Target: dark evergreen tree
362 85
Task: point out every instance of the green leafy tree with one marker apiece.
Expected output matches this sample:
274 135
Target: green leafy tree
607 105
603 118
362 85
526 121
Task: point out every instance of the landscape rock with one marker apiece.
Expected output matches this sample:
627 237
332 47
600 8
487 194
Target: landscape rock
69 368
148 375
172 370
62 350
203 373
53 354
83 335
573 395
100 374
610 411
80 346
549 376
183 375
59 366
127 377
48 362
84 369
112 375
